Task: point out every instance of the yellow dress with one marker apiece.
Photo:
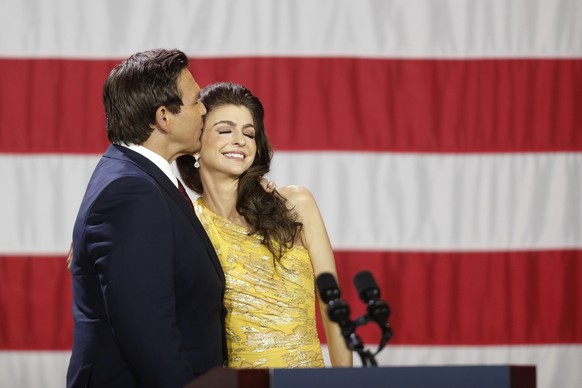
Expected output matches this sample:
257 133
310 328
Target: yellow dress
271 303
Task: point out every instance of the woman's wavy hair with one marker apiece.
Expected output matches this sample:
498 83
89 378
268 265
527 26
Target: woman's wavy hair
266 213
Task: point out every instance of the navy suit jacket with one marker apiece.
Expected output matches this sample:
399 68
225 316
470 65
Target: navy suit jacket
147 284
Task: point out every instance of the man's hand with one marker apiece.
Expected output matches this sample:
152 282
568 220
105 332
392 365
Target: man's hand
70 257
268 185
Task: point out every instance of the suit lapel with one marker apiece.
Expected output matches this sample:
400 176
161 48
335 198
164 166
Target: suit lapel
120 152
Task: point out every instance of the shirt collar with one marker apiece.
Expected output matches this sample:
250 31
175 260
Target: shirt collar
155 159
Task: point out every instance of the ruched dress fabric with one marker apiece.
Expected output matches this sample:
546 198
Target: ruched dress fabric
271 306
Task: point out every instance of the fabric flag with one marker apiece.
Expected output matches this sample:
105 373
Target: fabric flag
441 139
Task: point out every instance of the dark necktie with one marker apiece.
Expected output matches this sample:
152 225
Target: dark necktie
185 194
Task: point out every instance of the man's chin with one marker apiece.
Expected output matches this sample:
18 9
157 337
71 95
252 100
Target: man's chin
194 149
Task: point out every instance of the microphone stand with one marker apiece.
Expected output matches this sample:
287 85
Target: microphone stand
338 311
354 343
368 358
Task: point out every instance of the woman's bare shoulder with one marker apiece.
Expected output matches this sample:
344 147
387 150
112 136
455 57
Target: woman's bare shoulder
298 197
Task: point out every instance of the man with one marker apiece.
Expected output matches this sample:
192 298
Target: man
147 285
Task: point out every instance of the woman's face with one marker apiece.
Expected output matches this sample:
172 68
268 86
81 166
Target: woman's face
228 140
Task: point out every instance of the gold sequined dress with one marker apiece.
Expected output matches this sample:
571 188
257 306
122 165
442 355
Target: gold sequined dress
271 303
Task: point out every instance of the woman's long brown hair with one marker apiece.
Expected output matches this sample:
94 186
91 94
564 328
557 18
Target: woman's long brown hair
266 213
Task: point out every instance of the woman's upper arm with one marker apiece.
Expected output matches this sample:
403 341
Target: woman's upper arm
316 240
314 234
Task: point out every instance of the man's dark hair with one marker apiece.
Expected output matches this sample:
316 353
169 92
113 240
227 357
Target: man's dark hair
136 88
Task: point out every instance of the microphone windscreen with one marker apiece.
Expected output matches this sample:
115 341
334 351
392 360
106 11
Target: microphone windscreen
366 286
327 287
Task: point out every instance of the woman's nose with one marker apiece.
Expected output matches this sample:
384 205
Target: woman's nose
239 138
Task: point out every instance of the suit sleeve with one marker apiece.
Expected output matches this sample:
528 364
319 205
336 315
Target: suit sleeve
130 234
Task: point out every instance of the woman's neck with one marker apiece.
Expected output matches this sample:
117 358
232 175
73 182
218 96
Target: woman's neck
220 197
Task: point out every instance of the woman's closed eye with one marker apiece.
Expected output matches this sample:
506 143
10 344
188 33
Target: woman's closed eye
248 131
224 129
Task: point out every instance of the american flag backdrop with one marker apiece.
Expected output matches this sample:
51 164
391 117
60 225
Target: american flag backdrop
442 140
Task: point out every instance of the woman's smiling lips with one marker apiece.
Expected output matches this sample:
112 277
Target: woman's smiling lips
234 155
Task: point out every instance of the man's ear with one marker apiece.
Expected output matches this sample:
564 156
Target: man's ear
163 119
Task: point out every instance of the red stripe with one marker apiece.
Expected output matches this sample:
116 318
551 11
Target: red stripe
35 304
473 298
349 104
436 298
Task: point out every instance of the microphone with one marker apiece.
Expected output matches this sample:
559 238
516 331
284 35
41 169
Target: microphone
327 287
337 310
377 310
369 293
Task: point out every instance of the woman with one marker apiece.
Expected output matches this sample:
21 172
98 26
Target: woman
272 245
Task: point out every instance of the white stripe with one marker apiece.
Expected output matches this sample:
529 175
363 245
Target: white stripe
363 28
556 365
33 369
41 195
433 202
369 201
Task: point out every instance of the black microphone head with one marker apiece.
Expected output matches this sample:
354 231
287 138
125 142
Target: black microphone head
379 311
366 286
327 287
